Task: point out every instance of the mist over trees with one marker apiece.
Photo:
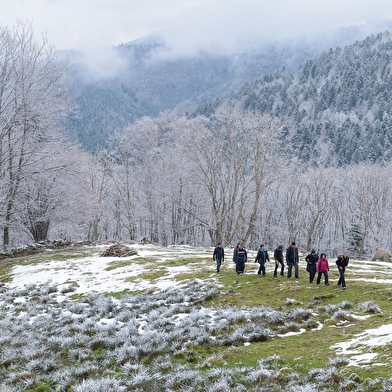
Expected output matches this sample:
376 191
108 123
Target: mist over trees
282 159
146 77
338 103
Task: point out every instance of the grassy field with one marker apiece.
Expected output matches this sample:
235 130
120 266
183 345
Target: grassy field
311 320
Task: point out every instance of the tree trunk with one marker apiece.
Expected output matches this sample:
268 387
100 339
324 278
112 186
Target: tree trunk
40 231
6 238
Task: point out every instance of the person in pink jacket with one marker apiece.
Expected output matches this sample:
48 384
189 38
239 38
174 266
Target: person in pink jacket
322 267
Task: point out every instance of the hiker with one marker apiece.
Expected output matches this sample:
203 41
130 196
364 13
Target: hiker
311 260
292 260
261 258
342 263
218 256
278 257
240 257
322 268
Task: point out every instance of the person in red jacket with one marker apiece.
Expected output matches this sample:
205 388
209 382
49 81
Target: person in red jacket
322 268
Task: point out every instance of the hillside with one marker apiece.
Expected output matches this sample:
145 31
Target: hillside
149 87
165 320
152 79
338 105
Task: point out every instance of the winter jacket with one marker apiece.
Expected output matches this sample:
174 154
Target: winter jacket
240 255
219 253
292 254
278 255
262 256
312 258
342 262
322 265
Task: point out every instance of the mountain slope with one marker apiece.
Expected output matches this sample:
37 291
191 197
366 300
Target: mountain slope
154 79
336 107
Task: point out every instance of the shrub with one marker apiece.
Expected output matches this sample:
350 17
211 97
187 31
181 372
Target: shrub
369 307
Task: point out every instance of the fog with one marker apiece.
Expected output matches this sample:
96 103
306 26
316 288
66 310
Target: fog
94 27
196 24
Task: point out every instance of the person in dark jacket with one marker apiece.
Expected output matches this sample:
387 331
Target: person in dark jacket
342 263
261 258
218 256
278 257
240 257
311 260
292 260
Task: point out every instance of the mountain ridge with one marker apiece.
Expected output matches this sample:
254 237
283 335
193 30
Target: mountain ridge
332 104
151 80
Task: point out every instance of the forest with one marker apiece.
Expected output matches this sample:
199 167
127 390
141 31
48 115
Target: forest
337 104
235 170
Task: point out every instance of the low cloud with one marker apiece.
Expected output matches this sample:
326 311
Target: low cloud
94 27
194 24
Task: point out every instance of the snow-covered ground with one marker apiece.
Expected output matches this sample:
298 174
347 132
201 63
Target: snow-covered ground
93 275
359 348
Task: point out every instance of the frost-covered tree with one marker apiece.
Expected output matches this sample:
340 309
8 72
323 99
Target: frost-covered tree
55 198
320 189
370 189
99 180
231 160
147 180
32 101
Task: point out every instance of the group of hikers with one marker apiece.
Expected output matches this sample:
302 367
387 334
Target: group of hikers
315 264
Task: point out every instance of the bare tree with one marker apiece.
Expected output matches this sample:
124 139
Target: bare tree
381 194
293 199
369 190
233 158
31 104
144 177
100 185
320 190
55 194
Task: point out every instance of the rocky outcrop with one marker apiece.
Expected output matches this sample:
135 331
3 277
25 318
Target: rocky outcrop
118 250
382 255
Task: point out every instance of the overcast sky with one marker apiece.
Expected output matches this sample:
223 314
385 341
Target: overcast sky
77 24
